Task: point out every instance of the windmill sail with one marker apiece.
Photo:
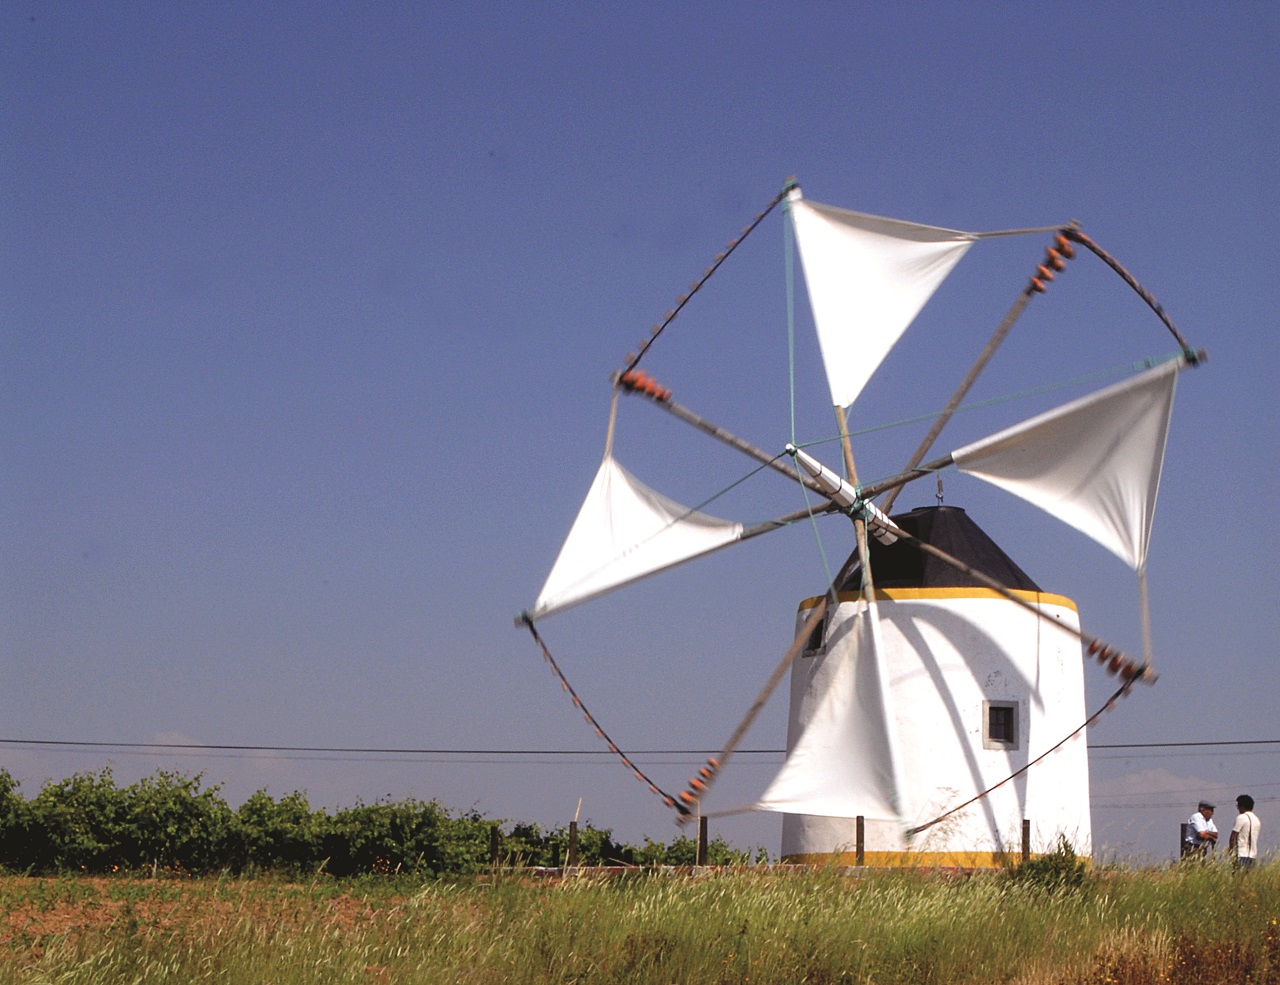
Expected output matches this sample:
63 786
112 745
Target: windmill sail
1094 463
623 532
868 277
852 713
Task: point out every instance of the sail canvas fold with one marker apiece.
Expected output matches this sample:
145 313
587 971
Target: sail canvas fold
844 763
1094 463
868 277
623 532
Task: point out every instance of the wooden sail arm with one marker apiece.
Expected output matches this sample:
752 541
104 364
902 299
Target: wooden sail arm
874 489
1114 660
1055 260
645 386
785 521
690 797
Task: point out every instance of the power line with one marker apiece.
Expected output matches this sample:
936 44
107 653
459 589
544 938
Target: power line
191 748
1184 745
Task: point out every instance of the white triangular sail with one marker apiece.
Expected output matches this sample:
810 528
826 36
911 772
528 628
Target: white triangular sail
1093 463
868 277
844 763
625 531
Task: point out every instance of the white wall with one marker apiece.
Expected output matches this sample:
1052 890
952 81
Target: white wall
946 652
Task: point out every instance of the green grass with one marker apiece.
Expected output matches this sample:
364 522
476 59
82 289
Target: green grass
1189 926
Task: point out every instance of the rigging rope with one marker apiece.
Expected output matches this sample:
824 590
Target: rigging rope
591 720
1120 692
633 358
1078 236
788 252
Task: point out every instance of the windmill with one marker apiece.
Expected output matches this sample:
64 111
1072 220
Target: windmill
937 691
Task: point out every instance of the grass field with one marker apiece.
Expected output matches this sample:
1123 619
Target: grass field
1199 926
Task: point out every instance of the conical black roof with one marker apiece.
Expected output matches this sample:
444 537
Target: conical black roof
949 528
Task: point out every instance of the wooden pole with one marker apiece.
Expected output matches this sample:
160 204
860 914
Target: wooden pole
1116 660
787 520
701 857
573 844
774 462
860 844
495 844
1144 609
699 785
1026 839
793 651
874 489
859 524
984 357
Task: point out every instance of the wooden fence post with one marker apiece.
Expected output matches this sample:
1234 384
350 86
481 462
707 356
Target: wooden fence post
860 842
701 857
495 843
573 843
1026 839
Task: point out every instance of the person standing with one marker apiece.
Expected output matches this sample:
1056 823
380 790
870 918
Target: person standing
1202 833
1244 833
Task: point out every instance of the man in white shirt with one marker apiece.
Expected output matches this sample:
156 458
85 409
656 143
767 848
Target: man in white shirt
1202 833
1244 833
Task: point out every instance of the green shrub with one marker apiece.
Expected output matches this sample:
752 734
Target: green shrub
283 835
13 823
1053 871
170 822
76 824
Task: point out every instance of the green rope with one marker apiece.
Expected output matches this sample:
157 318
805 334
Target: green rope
788 249
723 492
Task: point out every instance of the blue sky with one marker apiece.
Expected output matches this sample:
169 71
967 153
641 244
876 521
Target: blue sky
309 314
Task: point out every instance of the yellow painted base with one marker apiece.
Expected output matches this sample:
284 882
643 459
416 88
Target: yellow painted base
921 860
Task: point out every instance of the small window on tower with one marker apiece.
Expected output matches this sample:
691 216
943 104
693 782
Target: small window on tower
1000 725
813 645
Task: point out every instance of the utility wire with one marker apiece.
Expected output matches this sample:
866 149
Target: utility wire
404 751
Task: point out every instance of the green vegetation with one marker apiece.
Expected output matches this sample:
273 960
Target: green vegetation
170 823
162 882
1187 925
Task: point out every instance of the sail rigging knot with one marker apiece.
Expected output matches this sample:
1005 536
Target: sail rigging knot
878 523
638 381
1055 260
846 497
1117 662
